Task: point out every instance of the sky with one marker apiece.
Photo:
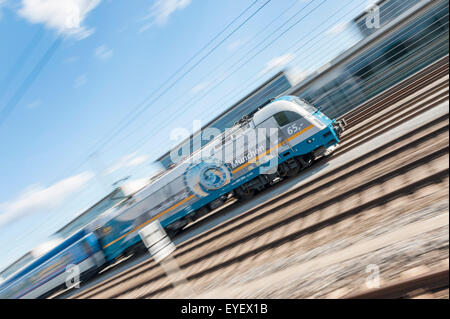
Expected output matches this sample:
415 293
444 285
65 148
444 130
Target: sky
90 90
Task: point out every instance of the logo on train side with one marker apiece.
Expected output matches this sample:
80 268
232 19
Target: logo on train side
204 177
260 149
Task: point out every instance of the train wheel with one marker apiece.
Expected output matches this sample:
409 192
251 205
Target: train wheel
294 170
281 171
305 160
172 232
201 212
244 194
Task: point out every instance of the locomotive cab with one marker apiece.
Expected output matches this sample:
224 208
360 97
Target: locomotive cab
303 129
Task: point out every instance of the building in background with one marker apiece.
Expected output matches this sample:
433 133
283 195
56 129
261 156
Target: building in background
388 11
415 36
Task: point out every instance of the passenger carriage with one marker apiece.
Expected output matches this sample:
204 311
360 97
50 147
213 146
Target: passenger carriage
49 272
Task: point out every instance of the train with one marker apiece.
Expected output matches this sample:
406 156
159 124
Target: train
282 137
48 273
232 164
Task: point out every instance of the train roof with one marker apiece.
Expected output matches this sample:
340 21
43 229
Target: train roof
172 173
239 126
235 105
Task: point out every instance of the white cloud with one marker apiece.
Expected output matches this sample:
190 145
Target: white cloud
64 16
338 28
370 4
297 75
199 87
37 198
34 104
137 161
71 59
80 81
277 62
130 160
235 44
161 11
103 52
2 2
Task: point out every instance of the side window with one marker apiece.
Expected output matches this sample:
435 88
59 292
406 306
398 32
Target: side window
286 117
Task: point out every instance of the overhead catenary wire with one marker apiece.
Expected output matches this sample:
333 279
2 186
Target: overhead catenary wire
20 61
216 67
256 78
137 110
266 37
247 19
391 50
104 141
196 98
15 99
253 81
286 52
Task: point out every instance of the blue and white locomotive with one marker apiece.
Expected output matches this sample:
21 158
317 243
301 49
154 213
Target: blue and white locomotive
281 138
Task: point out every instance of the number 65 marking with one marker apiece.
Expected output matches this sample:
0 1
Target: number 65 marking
292 129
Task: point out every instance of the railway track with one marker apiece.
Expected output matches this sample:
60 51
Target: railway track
432 80
208 249
263 222
423 286
432 96
402 90
300 217
395 104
